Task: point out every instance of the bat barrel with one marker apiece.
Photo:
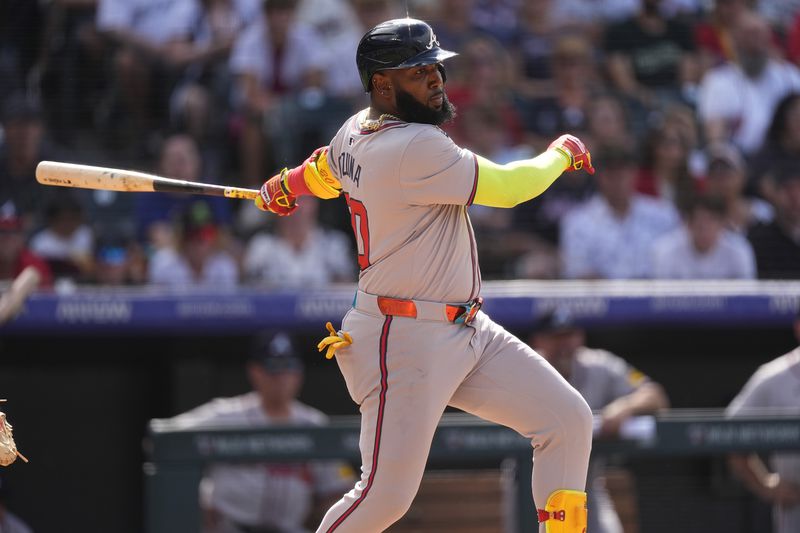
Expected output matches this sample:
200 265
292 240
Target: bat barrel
111 179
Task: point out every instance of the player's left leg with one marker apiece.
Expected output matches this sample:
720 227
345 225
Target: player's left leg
514 386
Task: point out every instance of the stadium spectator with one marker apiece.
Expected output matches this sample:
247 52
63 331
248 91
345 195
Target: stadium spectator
781 145
682 118
777 244
532 47
241 498
156 212
499 242
202 93
300 253
778 13
773 388
544 216
650 57
793 41
609 123
370 13
140 34
713 34
703 248
22 25
664 172
74 71
488 84
454 27
339 28
117 264
726 178
275 57
574 85
737 100
23 145
198 257
609 384
14 254
498 18
611 234
594 17
66 242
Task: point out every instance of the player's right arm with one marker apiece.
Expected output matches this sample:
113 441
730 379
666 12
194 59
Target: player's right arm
313 177
511 184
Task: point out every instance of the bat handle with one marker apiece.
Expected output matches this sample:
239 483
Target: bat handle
240 193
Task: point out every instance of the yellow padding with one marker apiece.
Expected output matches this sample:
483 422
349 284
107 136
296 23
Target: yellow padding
319 178
566 510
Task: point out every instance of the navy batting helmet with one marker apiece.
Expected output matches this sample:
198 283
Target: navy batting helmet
396 44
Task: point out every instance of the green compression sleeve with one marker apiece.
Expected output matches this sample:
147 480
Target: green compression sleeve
519 181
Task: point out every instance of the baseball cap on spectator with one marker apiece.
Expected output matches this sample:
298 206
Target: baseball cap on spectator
9 219
20 107
198 222
275 353
724 154
112 254
555 321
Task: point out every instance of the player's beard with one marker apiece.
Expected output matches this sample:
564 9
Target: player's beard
411 110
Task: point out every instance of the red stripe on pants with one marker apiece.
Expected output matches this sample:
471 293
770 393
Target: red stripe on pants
381 407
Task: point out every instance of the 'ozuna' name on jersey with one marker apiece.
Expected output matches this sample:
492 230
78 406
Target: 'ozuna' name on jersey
348 167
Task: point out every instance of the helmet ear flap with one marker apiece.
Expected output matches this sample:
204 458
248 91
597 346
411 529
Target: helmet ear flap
442 71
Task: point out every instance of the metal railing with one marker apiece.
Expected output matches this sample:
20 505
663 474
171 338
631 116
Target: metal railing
176 457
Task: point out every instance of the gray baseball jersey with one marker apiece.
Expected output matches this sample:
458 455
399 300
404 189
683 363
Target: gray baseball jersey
407 186
279 496
601 377
776 385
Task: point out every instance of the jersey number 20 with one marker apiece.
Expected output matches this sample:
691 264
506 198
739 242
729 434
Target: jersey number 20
358 219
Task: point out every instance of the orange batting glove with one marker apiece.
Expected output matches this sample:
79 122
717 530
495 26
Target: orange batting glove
577 153
275 196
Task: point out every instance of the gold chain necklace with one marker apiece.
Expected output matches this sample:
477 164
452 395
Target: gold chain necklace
372 125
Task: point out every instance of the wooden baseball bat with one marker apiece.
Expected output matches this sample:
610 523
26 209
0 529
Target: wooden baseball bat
112 179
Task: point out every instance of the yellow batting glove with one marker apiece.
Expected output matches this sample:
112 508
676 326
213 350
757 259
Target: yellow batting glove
334 341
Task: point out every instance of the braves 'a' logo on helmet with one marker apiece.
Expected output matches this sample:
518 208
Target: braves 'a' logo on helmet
433 42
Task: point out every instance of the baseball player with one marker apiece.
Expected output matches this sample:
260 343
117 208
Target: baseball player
610 386
774 386
266 498
415 340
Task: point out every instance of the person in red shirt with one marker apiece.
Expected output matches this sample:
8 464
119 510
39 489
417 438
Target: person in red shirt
14 254
18 264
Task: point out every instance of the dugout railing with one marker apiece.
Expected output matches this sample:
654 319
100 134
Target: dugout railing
176 458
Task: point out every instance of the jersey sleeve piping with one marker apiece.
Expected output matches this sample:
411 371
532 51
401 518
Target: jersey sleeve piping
474 182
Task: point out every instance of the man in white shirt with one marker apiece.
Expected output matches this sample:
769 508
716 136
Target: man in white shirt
276 58
610 235
300 253
736 100
142 32
266 498
703 248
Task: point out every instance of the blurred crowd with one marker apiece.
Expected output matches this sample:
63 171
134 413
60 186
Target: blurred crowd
691 109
